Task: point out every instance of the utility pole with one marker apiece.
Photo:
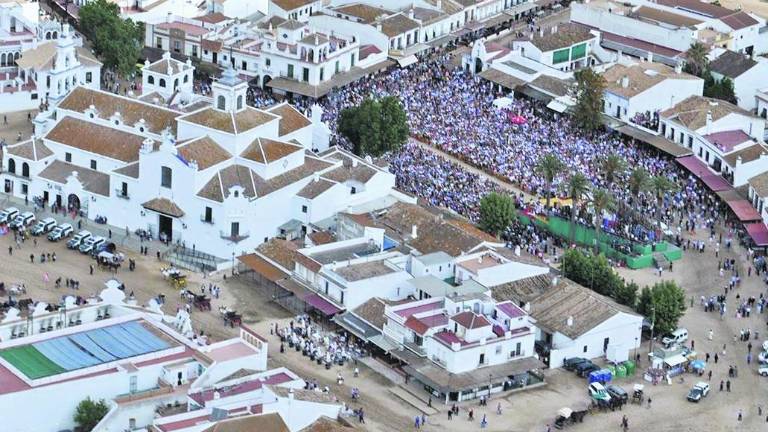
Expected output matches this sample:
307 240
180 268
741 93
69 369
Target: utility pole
653 324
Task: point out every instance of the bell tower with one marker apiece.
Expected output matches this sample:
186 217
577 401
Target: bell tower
229 92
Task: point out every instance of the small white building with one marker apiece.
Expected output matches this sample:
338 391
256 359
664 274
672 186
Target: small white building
724 139
758 194
747 74
636 92
565 47
46 71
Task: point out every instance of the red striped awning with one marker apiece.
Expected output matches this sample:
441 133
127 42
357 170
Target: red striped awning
759 233
698 168
744 211
321 304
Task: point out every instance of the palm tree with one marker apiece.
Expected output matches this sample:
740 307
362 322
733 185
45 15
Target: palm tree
696 59
612 165
549 166
578 185
639 181
661 185
602 200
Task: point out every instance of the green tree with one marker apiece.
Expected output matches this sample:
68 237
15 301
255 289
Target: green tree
578 186
661 185
375 127
722 89
626 294
696 59
497 212
576 266
602 200
549 166
89 413
589 90
117 41
664 304
639 181
611 166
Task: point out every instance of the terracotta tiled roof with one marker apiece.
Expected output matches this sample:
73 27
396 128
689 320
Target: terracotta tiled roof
321 237
264 150
280 251
92 181
213 18
325 424
289 5
372 311
205 151
94 138
640 77
262 267
692 111
156 118
565 36
292 24
211 45
226 121
243 176
470 320
360 171
33 150
130 170
291 119
263 423
315 188
164 206
748 154
161 66
308 262
760 184
732 64
397 24
365 12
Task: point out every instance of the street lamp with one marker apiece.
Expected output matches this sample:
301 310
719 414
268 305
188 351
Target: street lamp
233 263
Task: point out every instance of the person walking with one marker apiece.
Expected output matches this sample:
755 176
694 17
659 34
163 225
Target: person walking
90 269
728 386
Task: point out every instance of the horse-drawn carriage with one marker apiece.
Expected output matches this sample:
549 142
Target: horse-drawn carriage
202 302
637 395
567 416
109 260
175 277
231 318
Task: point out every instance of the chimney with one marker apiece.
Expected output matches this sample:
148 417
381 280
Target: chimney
541 32
410 14
414 231
354 162
678 68
569 321
554 29
624 81
316 177
439 4
709 122
650 57
169 17
290 394
216 395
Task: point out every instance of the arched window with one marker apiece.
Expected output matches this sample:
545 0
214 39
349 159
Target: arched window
221 103
186 78
25 169
2 60
175 84
55 35
162 82
48 35
240 102
11 166
151 79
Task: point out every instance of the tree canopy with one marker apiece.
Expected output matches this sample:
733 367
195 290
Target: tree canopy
115 40
89 413
549 167
663 304
497 212
589 90
375 127
696 59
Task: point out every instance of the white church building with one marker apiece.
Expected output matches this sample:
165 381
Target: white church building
221 177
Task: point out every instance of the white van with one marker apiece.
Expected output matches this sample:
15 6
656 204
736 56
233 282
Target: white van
7 215
675 338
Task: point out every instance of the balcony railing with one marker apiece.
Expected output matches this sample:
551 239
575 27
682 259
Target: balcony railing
203 219
120 194
234 237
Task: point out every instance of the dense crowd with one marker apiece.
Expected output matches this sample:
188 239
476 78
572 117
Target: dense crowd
453 110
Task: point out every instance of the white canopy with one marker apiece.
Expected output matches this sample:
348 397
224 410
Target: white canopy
502 102
407 61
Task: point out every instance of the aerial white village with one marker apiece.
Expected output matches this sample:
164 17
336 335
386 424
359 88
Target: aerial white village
369 215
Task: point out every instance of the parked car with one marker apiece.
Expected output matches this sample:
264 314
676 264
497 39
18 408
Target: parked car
78 239
571 363
62 231
763 371
598 392
617 392
765 344
584 369
7 215
763 357
676 337
23 220
43 226
91 244
700 390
